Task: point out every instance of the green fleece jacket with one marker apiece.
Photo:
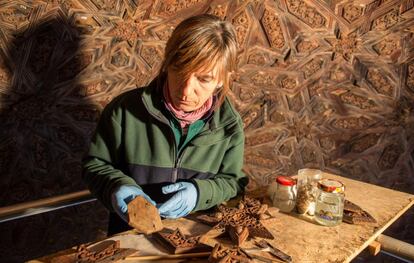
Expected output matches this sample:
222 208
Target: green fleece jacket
134 144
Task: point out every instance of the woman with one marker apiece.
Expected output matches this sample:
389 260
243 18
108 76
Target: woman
177 142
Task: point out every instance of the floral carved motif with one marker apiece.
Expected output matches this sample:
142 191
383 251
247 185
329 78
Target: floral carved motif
346 46
352 123
352 12
387 46
128 30
288 83
151 55
241 25
362 144
219 10
246 94
327 143
386 21
410 77
311 67
273 30
380 82
171 7
357 101
306 46
306 13
389 156
90 89
263 79
257 58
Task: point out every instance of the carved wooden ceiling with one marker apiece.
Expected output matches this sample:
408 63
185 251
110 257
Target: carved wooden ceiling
323 83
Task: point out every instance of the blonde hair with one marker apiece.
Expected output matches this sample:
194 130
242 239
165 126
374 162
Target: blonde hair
201 43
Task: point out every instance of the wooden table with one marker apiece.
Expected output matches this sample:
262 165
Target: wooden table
301 237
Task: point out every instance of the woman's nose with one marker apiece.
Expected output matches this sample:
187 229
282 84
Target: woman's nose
188 88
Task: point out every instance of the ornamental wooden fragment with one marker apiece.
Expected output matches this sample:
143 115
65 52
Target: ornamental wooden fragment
178 243
143 216
239 222
353 214
102 252
238 234
226 255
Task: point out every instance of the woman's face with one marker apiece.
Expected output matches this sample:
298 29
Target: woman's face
190 94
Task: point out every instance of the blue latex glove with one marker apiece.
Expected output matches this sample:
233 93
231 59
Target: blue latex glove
180 204
124 194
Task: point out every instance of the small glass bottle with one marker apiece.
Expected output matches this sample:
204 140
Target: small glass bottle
284 196
307 190
329 202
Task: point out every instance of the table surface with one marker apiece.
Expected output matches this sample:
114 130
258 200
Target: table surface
298 235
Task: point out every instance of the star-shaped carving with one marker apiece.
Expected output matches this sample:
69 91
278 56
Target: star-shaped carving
345 46
128 30
239 222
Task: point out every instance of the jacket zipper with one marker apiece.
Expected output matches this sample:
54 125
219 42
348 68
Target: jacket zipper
175 158
176 165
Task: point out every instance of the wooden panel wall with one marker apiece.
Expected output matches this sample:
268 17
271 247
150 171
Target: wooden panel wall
323 83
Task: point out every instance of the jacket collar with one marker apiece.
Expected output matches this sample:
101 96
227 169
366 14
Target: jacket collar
153 101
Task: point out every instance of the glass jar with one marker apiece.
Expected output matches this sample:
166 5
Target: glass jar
307 190
330 202
284 196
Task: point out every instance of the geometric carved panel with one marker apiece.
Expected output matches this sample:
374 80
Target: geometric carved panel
327 84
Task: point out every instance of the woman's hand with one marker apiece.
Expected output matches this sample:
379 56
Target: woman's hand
180 204
123 195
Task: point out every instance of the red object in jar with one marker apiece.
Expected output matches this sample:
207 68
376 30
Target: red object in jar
285 180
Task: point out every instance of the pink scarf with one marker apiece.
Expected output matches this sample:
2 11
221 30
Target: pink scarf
186 118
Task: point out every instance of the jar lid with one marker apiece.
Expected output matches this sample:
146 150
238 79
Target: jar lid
331 186
285 180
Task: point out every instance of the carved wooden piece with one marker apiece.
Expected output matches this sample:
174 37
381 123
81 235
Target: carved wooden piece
238 234
228 255
239 222
353 214
103 252
178 243
143 216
